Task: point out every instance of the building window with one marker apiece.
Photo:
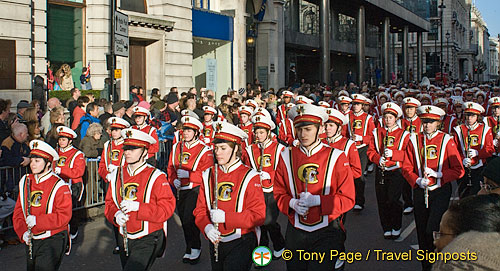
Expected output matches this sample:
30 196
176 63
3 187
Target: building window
204 4
134 5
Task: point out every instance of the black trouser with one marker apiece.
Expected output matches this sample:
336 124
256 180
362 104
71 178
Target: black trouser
234 255
270 225
142 252
469 188
390 208
324 240
407 192
186 204
427 219
47 253
76 190
359 183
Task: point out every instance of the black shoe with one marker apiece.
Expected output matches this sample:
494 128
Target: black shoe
195 256
358 207
116 250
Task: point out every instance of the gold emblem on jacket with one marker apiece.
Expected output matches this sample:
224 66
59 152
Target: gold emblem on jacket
224 190
131 191
308 173
185 157
267 160
62 161
474 140
36 198
357 124
389 141
115 154
431 152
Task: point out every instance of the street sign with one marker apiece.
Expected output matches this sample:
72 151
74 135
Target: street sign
121 24
121 46
118 73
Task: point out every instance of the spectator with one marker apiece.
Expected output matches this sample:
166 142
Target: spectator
45 124
491 177
71 103
118 109
79 111
108 112
15 151
34 130
172 103
133 94
91 144
4 113
90 117
155 95
129 111
85 79
191 105
472 224
30 115
56 120
36 104
21 108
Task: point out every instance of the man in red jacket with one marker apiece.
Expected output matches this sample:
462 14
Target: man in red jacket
314 187
71 167
43 210
141 206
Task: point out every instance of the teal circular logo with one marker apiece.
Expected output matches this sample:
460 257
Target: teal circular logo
262 256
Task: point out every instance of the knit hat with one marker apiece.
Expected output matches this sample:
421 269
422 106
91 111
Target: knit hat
172 98
241 91
117 106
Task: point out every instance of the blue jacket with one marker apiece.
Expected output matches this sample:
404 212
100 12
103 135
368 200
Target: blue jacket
85 121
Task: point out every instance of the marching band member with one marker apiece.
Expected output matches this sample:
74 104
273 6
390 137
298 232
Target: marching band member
387 150
475 140
431 163
286 132
185 173
283 108
178 132
139 201
141 114
493 121
263 156
70 167
314 187
412 124
112 153
333 130
43 210
360 127
208 130
245 113
231 202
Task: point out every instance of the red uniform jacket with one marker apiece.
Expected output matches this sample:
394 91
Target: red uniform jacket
281 113
240 196
72 164
397 141
416 124
50 203
481 140
351 152
196 158
286 131
150 130
327 173
493 123
252 157
208 133
248 130
442 156
362 125
112 154
148 186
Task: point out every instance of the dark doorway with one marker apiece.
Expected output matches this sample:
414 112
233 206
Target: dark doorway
137 64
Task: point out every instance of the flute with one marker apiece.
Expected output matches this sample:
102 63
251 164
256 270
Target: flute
467 147
216 196
426 195
384 143
124 227
261 165
28 213
180 160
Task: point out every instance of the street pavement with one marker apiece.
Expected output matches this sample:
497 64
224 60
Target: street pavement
94 245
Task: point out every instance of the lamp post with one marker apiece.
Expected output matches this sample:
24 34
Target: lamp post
447 51
441 9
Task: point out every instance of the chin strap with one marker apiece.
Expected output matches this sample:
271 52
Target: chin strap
140 158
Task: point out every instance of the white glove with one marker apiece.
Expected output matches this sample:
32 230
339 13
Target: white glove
212 234
57 170
177 183
218 216
109 176
296 143
182 174
423 182
206 140
31 221
495 142
264 175
388 153
467 162
299 208
112 167
309 200
129 206
382 161
26 237
431 173
358 138
121 218
472 153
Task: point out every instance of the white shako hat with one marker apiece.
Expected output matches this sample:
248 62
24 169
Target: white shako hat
475 108
390 107
305 114
187 112
495 101
137 138
209 110
140 111
44 150
345 100
66 132
324 104
303 100
358 98
430 112
409 101
245 110
287 93
336 116
192 123
262 112
263 121
252 103
441 101
229 132
116 122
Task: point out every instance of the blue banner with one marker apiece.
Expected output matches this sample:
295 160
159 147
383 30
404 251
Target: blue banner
262 11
